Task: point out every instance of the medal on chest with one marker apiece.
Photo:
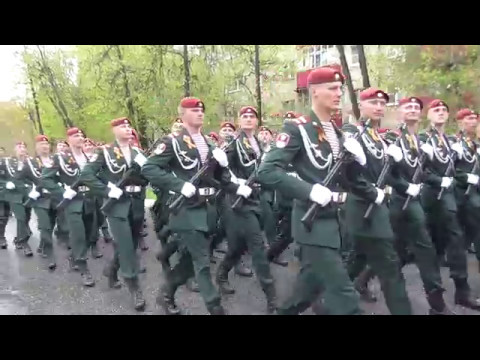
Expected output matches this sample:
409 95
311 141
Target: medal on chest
186 162
111 161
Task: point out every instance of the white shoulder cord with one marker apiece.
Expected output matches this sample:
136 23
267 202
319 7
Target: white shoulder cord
64 168
466 154
241 151
407 155
176 148
308 148
108 161
33 170
372 149
9 169
439 156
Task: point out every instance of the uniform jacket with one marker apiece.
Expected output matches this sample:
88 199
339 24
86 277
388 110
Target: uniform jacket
14 167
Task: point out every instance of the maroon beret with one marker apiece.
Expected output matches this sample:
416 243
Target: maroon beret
437 103
411 99
214 135
248 110
73 131
40 138
119 121
373 93
191 103
264 128
325 75
228 125
464 113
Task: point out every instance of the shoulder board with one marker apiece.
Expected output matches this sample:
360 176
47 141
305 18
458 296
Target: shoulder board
302 120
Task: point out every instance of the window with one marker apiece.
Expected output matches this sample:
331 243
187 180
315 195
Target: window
319 55
354 51
236 87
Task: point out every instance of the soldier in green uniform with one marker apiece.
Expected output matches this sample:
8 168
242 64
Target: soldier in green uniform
125 216
42 202
59 179
409 224
99 221
4 204
438 200
61 231
17 195
373 238
467 175
311 146
243 225
175 161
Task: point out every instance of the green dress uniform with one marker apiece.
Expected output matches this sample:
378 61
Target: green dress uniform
373 238
409 225
310 155
442 216
44 206
63 172
244 224
173 163
125 216
4 204
468 205
17 197
267 202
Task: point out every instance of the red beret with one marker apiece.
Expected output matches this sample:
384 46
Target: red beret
214 135
119 121
464 113
21 143
325 75
248 110
40 138
90 141
411 99
264 128
228 125
437 103
290 115
73 131
191 103
373 93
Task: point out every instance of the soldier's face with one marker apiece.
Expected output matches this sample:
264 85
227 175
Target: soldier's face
410 112
88 147
42 147
193 117
21 150
61 147
265 136
438 115
373 109
225 132
76 140
248 121
123 132
469 123
328 95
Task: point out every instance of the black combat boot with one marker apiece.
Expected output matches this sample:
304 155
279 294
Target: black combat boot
52 265
243 270
94 251
41 246
216 310
361 285
27 251
192 285
111 273
222 247
274 253
87 278
72 265
3 240
437 303
3 243
134 288
271 296
18 246
166 299
222 279
463 297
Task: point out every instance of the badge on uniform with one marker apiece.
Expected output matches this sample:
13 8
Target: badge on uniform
160 149
282 140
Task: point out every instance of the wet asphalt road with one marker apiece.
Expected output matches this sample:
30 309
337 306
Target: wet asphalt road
28 288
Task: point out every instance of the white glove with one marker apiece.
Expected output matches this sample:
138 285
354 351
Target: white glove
34 194
69 193
478 151
10 185
244 190
220 156
414 189
354 147
380 196
395 152
321 195
458 148
140 159
188 190
241 181
115 192
233 178
427 149
473 179
446 182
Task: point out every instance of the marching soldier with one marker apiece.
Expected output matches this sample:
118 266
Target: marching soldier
439 203
183 155
311 146
61 179
214 138
42 202
113 164
61 231
373 238
4 204
16 195
243 225
408 222
467 178
227 130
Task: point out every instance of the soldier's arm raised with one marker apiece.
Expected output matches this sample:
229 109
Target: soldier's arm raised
273 170
157 169
89 176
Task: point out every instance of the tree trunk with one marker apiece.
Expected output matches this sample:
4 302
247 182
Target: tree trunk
363 66
258 83
35 102
186 67
351 90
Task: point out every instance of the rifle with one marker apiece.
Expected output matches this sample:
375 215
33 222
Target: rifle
179 201
61 205
30 201
307 219
125 177
418 173
450 170
382 178
251 179
475 169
